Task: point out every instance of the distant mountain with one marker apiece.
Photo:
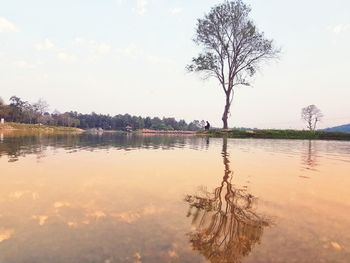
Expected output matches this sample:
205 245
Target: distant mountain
342 128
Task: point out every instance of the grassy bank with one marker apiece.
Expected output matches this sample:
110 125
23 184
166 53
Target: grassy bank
277 134
35 128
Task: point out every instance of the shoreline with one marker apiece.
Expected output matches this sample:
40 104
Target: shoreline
276 134
11 127
167 132
20 128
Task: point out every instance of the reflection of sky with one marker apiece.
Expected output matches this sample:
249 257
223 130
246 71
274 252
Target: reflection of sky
5 234
98 201
127 207
81 215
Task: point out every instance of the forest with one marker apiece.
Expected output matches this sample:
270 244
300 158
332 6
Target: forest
21 111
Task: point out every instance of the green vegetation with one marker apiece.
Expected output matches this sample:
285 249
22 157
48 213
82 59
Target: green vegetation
21 111
35 128
277 134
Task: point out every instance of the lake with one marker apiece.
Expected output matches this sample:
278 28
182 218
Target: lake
127 198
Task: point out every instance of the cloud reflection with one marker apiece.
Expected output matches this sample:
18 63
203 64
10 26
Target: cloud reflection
41 219
132 216
5 234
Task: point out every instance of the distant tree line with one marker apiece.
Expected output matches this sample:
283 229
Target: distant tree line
22 111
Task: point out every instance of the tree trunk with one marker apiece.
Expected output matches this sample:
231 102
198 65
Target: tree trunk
226 110
315 123
310 124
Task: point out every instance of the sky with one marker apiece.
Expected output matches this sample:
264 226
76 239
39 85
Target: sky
129 56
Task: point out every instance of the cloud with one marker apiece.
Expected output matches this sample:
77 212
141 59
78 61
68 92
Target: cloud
22 64
103 49
141 7
132 51
94 48
176 10
340 28
65 57
79 41
60 53
7 26
79 48
46 45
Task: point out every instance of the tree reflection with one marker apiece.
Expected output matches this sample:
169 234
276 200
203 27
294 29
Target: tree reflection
310 157
19 145
226 225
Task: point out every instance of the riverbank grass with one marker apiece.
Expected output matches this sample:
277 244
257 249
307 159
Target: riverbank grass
277 134
35 128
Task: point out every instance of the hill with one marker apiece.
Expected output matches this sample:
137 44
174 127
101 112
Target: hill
341 128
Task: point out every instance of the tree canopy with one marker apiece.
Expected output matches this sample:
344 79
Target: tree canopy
232 48
311 115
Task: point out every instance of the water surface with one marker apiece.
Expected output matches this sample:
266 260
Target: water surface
116 198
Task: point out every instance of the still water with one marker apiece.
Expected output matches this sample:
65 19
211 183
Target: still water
116 198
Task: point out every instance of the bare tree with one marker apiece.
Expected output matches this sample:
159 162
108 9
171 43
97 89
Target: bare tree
2 102
232 46
311 115
41 106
